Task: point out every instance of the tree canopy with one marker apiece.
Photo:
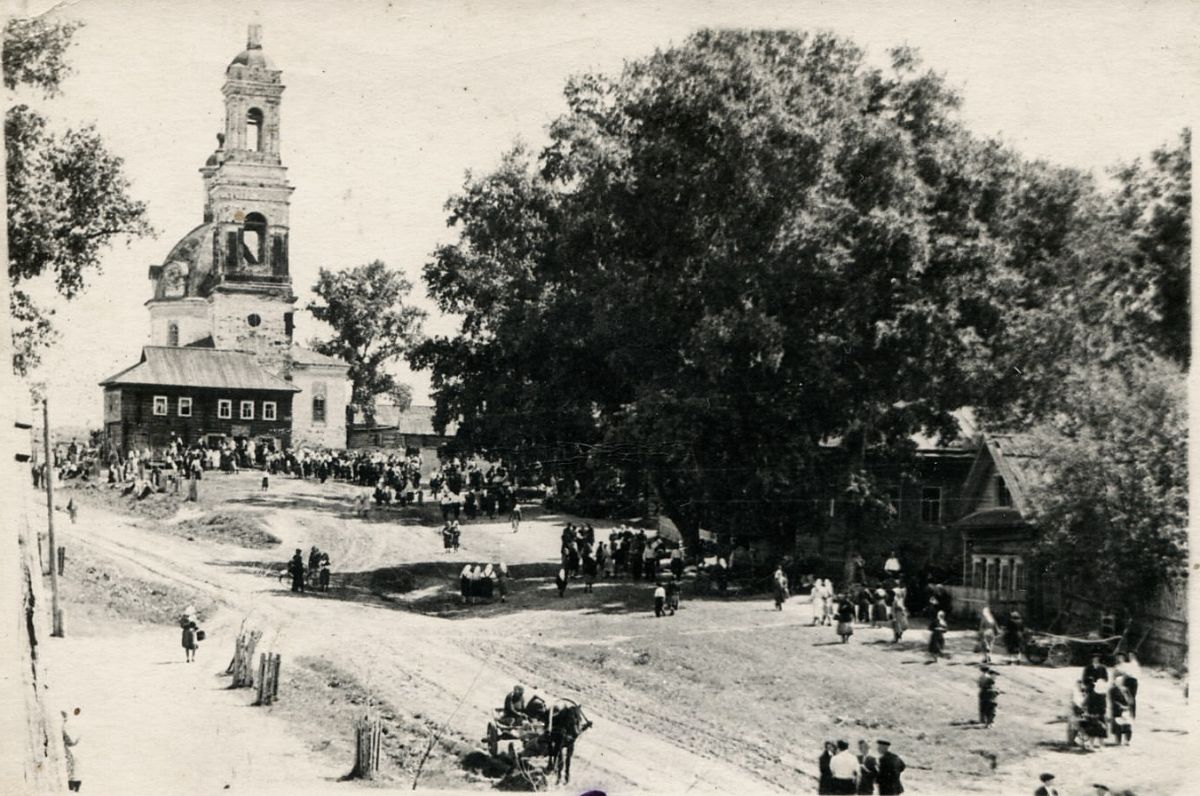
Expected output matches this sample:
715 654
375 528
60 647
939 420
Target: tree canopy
754 243
372 327
68 196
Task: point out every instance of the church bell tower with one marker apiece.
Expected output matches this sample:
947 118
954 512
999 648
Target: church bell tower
246 202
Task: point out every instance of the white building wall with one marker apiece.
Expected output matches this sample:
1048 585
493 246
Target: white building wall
193 317
310 379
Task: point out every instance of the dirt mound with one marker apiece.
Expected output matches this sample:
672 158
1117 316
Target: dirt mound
96 586
227 527
155 506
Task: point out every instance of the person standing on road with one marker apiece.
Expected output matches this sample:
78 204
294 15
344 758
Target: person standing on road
987 633
560 581
899 612
988 696
72 510
845 618
937 635
825 784
70 737
660 599
296 570
890 769
781 587
843 768
1014 636
191 640
868 768
515 518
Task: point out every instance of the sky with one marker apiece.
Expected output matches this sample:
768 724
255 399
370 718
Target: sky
388 104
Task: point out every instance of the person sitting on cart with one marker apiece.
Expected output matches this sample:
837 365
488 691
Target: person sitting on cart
1095 671
514 705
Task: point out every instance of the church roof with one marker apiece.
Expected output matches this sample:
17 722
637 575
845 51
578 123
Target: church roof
198 367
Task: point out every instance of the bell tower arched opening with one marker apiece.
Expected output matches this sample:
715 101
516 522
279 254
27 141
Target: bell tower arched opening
254 129
254 239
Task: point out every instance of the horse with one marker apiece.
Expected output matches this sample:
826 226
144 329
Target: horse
565 722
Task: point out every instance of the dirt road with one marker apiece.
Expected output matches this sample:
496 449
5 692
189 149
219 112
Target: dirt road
728 696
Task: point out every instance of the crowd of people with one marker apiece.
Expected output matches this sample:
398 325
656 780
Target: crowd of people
313 575
845 771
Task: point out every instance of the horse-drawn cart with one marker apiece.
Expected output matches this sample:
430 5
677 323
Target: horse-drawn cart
550 733
1057 650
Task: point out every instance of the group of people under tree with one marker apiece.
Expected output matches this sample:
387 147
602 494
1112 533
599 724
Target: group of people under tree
314 575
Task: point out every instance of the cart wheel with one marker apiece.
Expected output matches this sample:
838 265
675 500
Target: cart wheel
1060 655
493 739
1036 654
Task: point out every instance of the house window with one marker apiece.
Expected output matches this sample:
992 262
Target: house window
268 410
173 334
1003 496
160 405
931 504
1018 569
224 409
318 409
185 407
977 573
246 410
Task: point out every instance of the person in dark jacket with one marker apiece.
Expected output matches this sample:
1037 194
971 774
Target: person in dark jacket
1094 671
825 784
890 769
1014 636
296 570
1118 701
988 697
868 768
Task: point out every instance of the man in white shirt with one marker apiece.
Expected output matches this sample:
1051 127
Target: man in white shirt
844 768
891 569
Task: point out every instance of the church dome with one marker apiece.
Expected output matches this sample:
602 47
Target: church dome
182 274
252 58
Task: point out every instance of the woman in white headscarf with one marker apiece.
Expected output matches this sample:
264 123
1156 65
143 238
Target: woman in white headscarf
988 628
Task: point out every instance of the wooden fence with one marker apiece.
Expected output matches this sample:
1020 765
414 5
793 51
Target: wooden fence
368 737
242 665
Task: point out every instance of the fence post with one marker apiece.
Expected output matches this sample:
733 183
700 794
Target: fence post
368 738
268 678
62 558
243 659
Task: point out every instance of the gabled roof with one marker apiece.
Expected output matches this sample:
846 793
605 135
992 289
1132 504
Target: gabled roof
198 367
1017 459
303 356
414 420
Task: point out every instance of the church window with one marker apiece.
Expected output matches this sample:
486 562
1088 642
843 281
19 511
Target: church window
246 410
254 129
253 319
173 334
224 409
254 239
268 410
289 324
231 251
160 405
185 407
318 409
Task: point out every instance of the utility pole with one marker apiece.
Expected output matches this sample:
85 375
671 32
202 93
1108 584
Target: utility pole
56 612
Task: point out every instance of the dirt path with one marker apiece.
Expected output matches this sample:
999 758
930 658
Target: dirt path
736 698
379 645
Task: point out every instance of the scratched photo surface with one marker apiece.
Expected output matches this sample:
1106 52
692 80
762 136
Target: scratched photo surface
601 397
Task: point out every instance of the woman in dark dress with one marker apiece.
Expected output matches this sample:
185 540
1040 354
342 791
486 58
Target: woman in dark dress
1014 636
845 618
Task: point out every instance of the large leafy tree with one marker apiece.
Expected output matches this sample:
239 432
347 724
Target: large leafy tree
742 247
372 327
68 196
